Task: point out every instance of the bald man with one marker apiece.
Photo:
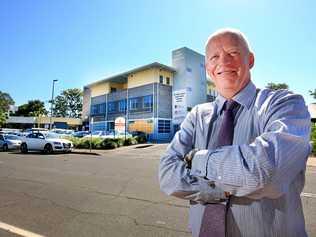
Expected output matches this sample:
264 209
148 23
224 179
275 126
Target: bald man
240 160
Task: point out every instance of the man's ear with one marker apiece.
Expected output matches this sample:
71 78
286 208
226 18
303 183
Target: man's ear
251 60
207 70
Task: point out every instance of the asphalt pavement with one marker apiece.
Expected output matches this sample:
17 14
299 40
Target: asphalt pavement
106 193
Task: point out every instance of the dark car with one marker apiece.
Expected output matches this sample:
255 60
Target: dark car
81 134
138 134
141 137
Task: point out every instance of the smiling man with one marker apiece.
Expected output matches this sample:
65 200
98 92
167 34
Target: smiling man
241 159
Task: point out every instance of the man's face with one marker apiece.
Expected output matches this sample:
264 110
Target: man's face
228 63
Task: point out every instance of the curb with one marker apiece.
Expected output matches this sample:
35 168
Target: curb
311 161
100 152
86 153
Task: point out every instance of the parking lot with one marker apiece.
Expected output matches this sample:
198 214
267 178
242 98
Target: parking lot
115 193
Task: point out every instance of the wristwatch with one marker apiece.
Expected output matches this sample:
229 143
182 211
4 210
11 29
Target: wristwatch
189 157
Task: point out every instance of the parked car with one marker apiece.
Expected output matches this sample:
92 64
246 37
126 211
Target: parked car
81 133
9 142
108 134
97 134
46 142
117 135
63 132
138 134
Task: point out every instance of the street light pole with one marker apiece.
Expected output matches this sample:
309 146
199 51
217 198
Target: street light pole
51 106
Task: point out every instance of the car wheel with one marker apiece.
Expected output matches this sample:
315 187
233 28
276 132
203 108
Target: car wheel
5 147
24 148
48 149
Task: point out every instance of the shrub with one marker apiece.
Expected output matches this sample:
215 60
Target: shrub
99 143
141 139
130 141
84 143
109 144
313 139
118 141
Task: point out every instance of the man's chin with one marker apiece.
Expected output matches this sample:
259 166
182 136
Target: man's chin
227 91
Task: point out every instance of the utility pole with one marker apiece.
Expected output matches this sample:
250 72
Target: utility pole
51 106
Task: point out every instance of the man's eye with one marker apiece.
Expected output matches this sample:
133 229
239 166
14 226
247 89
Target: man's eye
213 57
233 53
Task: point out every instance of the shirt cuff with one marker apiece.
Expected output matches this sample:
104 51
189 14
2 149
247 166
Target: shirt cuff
199 164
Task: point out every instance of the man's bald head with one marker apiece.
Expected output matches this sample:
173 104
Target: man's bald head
236 34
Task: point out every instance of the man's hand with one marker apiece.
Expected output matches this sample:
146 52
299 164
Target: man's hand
189 157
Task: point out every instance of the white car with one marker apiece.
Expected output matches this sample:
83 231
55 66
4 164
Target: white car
46 142
107 134
96 134
118 135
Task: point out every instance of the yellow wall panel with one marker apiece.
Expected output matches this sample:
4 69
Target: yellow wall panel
118 86
142 78
70 121
141 125
100 89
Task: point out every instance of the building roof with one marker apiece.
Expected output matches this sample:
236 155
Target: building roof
312 110
122 77
190 50
42 120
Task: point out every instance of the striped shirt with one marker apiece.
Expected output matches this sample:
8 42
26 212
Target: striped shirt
264 168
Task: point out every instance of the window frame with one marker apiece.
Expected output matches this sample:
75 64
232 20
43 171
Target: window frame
161 79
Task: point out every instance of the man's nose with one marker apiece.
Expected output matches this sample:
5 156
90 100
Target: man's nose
225 58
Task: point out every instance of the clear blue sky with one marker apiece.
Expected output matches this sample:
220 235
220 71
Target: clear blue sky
79 42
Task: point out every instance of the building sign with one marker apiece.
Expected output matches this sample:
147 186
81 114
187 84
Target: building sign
119 124
179 106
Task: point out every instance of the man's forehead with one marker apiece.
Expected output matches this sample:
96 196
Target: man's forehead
227 39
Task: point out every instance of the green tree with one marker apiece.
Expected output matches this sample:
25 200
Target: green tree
69 103
32 108
60 108
313 93
277 86
5 102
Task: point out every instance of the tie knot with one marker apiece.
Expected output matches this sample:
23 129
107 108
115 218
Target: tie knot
230 105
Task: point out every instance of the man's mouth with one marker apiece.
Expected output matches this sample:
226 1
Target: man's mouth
226 72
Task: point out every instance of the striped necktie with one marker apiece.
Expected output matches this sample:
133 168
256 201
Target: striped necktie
213 222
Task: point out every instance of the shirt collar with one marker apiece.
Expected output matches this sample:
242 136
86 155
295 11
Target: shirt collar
244 97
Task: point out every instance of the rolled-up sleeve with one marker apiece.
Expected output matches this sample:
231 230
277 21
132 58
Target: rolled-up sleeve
265 167
175 179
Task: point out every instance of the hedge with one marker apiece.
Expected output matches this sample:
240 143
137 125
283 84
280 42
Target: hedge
100 143
313 139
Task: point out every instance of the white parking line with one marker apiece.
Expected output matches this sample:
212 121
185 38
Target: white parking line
311 195
18 231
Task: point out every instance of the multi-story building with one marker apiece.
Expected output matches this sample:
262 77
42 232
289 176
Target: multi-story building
153 98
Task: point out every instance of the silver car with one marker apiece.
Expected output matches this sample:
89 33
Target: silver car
9 142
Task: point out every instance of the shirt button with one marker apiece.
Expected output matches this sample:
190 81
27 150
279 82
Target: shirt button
212 185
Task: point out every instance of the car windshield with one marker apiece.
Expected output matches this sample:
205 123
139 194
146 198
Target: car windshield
11 137
51 135
96 132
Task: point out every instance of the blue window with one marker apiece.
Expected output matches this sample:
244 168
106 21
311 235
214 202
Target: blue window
161 79
102 108
111 107
98 109
122 105
134 103
94 109
164 126
148 101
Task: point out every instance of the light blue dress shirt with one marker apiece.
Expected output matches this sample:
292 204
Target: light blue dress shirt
264 169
